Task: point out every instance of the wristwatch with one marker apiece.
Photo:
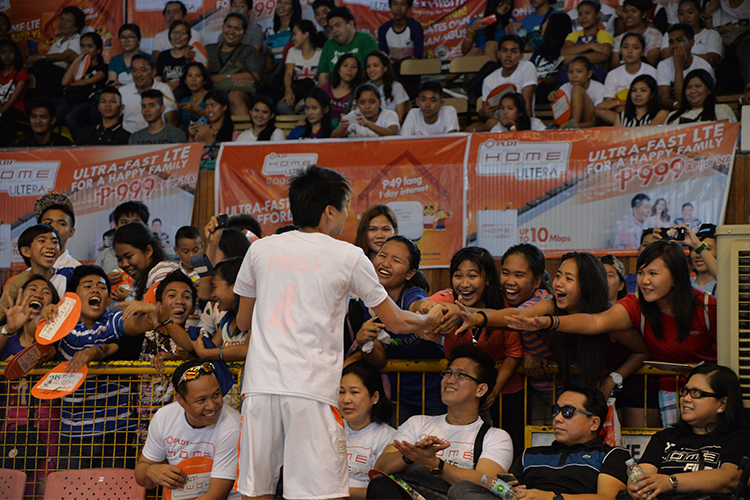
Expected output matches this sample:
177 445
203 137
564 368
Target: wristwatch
617 379
438 471
229 76
558 496
674 482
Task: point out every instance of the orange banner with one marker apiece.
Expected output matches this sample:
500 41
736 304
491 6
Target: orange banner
420 179
97 179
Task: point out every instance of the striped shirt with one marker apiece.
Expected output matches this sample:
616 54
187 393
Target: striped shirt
537 343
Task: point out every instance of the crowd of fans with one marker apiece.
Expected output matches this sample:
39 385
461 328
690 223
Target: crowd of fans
639 64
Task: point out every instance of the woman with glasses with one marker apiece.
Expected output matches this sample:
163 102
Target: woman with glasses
677 321
170 65
119 65
700 455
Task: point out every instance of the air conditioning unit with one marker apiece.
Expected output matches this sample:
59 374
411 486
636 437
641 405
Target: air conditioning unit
733 302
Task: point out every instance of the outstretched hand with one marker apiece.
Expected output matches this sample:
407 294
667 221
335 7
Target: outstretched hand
523 324
17 315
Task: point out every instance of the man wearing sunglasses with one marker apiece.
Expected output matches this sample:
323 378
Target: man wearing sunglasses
193 439
431 453
576 465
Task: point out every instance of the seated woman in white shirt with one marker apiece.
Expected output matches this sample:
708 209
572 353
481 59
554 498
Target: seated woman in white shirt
514 117
369 119
263 116
380 73
699 101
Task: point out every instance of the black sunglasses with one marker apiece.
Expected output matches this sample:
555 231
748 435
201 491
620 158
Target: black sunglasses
567 411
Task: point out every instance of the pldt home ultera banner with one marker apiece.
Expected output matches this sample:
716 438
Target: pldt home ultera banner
559 190
97 179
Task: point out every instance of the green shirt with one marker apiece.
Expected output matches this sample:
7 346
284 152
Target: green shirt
361 46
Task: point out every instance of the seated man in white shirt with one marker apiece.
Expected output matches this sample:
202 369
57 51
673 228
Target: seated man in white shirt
173 11
670 73
431 117
144 73
194 434
431 453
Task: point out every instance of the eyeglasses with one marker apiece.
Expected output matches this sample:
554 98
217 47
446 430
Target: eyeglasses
567 411
696 393
194 372
179 32
459 376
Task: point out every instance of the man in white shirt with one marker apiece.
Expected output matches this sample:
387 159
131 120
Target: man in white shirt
441 450
671 72
293 290
173 11
56 210
144 73
431 117
193 439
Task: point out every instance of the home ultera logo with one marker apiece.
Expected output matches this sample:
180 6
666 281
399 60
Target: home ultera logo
28 178
524 160
287 164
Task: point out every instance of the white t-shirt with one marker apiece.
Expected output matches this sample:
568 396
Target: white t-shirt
363 448
536 125
524 75
386 118
303 68
162 43
249 136
595 91
497 445
73 43
301 283
171 438
447 122
706 42
619 79
399 96
132 119
665 70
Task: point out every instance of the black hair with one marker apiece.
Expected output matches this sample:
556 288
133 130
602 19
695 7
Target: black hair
130 27
687 204
139 236
502 21
559 26
431 86
585 351
653 102
523 121
38 277
493 294
723 382
270 128
237 15
326 125
611 260
81 272
132 207
285 229
307 26
336 78
593 3
181 387
180 22
415 257
373 382
227 126
109 89
245 221
233 243
228 269
186 233
342 12
642 5
96 39
324 3
17 55
177 276
709 105
208 83
510 37
43 102
683 298
534 259
583 60
296 16
685 28
595 402
183 9
409 3
140 56
153 94
364 224
31 233
364 88
486 372
638 199
314 188
388 74
640 38
79 18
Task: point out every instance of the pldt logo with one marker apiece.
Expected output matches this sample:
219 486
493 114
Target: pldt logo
287 164
525 160
497 231
28 178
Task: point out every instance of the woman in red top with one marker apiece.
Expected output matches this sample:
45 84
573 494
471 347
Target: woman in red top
13 82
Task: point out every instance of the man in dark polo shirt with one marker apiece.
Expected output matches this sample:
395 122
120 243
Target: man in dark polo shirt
109 132
42 117
576 463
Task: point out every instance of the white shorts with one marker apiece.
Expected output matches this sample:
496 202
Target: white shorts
304 436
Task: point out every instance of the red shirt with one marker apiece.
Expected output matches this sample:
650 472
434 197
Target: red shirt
8 86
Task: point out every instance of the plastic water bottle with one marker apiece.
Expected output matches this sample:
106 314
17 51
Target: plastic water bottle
500 488
634 470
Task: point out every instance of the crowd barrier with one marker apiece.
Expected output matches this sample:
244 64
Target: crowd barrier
30 437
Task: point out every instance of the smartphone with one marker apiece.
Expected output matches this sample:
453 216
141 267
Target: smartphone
506 477
222 220
673 233
202 119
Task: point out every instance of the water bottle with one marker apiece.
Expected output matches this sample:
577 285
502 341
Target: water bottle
634 470
500 488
